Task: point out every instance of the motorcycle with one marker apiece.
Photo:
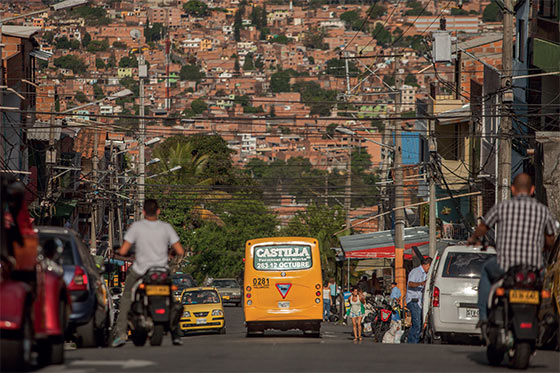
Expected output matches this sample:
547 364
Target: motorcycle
513 325
151 313
382 312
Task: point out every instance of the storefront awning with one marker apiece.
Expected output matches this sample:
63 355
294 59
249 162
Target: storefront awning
381 244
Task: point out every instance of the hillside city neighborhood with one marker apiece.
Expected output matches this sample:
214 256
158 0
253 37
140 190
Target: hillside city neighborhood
385 130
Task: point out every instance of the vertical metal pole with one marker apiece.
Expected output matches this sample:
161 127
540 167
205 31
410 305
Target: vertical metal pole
432 143
95 165
504 153
348 189
348 276
142 139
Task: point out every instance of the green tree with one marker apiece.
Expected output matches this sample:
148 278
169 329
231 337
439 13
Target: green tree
98 46
86 39
98 92
416 9
111 61
280 81
191 73
248 65
376 11
382 35
320 222
459 12
99 64
492 13
132 84
321 101
154 32
237 24
314 39
198 106
48 36
411 80
196 8
127 61
81 97
93 16
71 62
352 19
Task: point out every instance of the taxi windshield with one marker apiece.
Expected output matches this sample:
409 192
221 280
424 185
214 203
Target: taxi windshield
200 297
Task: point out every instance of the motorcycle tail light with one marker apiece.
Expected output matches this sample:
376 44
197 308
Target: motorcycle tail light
435 298
154 276
79 281
519 277
531 277
160 311
163 276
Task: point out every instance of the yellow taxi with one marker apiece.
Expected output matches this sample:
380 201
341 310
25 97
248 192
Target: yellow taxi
202 310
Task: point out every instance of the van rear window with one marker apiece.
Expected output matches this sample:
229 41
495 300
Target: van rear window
464 265
67 254
282 257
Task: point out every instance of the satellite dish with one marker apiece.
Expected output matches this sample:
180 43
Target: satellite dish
135 34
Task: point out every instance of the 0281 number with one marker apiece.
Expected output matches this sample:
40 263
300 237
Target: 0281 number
261 282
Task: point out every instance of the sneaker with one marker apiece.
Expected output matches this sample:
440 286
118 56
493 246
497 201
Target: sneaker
118 342
177 341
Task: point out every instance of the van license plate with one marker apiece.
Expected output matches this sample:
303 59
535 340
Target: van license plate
157 290
472 313
524 296
283 304
200 321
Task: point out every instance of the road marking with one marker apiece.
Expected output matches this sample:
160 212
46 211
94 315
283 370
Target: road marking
124 364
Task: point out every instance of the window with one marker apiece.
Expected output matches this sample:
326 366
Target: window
521 40
548 8
464 265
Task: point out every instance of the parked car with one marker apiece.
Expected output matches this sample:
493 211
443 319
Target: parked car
202 310
229 289
92 308
451 293
182 281
550 307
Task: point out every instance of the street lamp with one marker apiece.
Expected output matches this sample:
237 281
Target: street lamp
153 161
176 168
348 131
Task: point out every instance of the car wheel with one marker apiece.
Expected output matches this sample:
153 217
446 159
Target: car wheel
16 350
157 335
139 337
222 330
87 334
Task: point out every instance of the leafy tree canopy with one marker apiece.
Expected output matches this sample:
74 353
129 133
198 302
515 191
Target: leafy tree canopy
71 62
337 67
191 73
492 13
196 8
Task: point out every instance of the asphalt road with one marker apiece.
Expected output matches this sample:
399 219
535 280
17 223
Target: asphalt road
287 351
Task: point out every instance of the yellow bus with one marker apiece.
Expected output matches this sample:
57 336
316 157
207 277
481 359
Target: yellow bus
282 285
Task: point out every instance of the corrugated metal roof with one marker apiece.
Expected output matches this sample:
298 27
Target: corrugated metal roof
42 55
40 131
24 32
381 244
486 39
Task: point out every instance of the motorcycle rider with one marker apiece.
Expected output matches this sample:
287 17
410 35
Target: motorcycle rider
152 238
524 227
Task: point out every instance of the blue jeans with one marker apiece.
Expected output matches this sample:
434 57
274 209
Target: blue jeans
491 272
416 313
326 309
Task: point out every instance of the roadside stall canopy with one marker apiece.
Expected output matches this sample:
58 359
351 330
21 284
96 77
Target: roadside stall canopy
381 244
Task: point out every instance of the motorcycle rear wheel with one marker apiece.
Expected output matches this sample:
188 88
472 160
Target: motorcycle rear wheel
157 335
139 337
521 355
494 355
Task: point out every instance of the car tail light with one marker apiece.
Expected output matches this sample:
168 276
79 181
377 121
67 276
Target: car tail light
435 298
531 277
79 281
526 325
519 277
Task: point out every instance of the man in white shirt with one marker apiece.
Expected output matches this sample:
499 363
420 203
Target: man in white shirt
152 239
414 290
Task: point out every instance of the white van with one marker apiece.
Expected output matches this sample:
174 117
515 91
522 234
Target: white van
451 293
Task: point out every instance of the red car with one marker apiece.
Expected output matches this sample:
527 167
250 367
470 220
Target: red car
34 303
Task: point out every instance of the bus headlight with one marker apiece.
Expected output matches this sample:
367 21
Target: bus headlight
217 313
186 314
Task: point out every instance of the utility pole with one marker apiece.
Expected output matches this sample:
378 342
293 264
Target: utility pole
111 204
348 189
95 166
142 73
386 138
504 151
432 143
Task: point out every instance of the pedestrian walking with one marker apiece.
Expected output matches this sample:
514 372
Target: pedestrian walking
334 293
414 293
326 302
356 311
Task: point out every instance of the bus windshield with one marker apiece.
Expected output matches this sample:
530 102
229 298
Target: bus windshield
282 257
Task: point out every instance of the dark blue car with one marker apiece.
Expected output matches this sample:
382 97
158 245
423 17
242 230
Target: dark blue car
92 309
